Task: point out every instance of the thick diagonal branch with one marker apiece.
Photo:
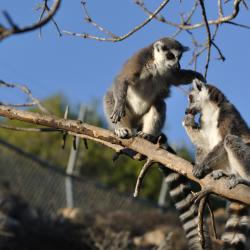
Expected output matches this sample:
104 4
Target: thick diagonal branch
152 151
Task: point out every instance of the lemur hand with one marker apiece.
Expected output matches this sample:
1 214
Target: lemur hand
189 121
118 113
200 170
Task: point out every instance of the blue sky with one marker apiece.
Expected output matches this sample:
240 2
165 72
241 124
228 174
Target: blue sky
84 69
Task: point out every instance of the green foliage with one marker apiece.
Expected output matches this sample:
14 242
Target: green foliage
96 162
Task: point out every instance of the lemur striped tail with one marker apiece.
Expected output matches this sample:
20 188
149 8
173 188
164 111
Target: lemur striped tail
237 227
181 194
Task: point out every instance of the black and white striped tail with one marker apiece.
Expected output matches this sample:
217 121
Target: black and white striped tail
181 195
237 227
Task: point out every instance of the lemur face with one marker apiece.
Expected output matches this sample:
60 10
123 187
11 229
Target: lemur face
197 97
165 57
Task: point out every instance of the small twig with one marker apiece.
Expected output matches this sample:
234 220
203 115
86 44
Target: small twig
120 38
188 26
212 219
74 142
141 175
220 8
209 39
26 91
5 126
65 134
46 8
239 25
201 209
201 194
86 143
90 20
18 105
16 30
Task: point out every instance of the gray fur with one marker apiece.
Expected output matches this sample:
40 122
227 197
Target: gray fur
135 101
223 138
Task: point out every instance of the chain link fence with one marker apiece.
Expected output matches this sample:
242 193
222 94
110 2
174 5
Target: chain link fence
44 185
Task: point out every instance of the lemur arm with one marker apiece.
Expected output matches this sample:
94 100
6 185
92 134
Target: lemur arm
214 158
120 88
192 129
184 76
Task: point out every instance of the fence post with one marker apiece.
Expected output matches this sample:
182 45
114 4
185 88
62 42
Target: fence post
71 164
162 201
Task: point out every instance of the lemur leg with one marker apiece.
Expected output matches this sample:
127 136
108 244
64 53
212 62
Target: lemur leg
239 159
123 127
153 121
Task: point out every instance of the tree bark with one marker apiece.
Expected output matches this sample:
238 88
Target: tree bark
152 151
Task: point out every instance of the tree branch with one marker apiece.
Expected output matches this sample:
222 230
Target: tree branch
115 38
152 151
16 30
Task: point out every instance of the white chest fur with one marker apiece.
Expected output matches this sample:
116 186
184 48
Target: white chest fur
210 131
139 104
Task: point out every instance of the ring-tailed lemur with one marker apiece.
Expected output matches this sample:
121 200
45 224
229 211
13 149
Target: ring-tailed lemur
135 102
182 197
223 146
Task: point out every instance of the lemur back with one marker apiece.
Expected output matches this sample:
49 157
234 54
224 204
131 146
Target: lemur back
222 136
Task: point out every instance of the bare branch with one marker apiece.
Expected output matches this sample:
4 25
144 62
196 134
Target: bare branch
120 38
201 209
141 175
45 8
209 39
26 91
240 193
22 129
219 20
220 8
16 30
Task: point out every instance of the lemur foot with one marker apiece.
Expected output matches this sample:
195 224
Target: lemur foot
147 137
217 174
234 181
123 132
200 170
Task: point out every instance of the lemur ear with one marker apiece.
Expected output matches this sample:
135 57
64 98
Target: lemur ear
198 85
158 46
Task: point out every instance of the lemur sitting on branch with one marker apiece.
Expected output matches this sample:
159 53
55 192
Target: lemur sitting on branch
135 103
222 139
135 106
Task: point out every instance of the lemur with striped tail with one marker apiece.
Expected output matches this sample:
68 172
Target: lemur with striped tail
135 105
222 138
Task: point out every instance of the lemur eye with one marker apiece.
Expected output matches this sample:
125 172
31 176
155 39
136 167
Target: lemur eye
170 56
164 47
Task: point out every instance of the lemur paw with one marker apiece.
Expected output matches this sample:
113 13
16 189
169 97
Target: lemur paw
189 121
217 174
200 170
233 181
123 132
146 136
117 114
